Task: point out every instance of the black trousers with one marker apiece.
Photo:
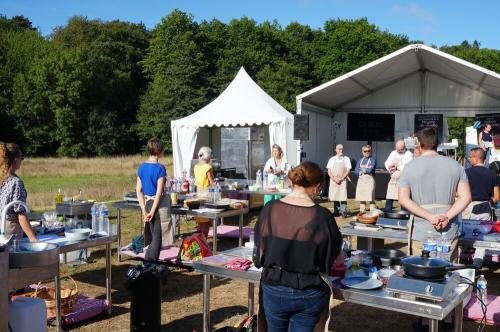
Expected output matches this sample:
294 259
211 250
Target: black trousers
152 235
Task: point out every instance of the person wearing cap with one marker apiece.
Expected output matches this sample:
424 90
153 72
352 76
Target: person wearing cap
338 168
394 165
365 169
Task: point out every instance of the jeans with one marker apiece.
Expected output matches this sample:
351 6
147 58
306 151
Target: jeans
388 205
289 309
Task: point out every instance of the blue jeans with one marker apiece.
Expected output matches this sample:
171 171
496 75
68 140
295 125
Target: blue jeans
289 309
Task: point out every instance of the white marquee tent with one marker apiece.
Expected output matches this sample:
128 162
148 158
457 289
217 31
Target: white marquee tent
415 79
242 104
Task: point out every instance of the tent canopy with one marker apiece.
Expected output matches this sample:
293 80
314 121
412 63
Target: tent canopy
415 79
242 103
467 85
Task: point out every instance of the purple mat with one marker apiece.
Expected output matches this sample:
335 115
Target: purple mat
85 308
167 254
473 310
231 231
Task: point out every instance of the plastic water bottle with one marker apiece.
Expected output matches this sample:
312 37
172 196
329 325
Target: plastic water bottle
93 214
266 179
444 247
218 192
104 219
211 196
430 244
482 286
373 272
258 178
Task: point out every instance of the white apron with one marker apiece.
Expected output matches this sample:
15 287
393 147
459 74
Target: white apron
338 192
392 187
365 189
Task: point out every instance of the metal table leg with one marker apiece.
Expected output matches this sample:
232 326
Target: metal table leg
251 288
214 235
206 303
240 238
370 244
57 286
459 315
433 325
119 232
108 276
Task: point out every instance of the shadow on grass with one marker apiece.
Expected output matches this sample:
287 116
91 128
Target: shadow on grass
195 322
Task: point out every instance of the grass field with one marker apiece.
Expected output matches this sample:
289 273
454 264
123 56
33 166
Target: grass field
105 179
100 179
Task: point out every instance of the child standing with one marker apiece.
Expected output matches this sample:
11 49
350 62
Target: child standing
155 204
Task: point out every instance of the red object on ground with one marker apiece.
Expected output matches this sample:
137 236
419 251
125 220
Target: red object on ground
496 227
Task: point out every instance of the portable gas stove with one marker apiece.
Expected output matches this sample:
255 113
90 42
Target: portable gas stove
433 290
392 223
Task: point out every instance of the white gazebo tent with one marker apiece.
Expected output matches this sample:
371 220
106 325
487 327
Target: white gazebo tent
415 79
242 104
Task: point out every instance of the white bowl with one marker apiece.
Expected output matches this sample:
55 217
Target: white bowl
78 234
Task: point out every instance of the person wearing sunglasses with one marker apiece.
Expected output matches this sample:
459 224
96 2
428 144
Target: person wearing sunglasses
365 170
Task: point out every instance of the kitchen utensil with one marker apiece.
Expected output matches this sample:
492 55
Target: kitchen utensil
426 267
364 283
397 214
387 257
78 234
364 219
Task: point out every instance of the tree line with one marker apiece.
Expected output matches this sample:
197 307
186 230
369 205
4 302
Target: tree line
104 87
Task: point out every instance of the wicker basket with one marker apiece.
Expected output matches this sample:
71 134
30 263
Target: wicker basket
68 298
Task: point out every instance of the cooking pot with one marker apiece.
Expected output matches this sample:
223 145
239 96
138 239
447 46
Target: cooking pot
426 267
387 257
397 214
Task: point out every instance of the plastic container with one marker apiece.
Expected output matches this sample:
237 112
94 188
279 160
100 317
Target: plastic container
430 244
93 214
482 286
258 179
443 248
104 220
27 314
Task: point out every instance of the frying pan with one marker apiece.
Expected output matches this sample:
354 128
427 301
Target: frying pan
397 214
426 267
387 257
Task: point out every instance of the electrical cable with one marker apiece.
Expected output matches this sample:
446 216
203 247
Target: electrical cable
467 281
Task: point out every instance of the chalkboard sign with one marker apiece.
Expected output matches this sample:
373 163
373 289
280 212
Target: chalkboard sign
370 127
430 121
492 118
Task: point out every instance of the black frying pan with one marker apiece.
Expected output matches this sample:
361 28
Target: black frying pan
426 267
397 214
387 257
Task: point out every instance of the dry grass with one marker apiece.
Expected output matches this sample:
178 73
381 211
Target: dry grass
100 179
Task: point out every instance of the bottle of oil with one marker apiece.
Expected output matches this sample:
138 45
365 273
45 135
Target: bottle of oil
59 197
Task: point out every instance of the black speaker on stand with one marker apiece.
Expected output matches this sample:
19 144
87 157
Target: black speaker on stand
301 130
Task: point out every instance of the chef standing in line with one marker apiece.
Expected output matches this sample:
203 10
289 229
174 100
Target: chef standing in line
395 164
365 169
338 168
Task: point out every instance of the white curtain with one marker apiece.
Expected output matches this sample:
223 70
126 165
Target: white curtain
277 135
183 145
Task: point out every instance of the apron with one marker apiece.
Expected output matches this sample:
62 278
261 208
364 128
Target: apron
392 187
468 214
167 229
365 189
338 192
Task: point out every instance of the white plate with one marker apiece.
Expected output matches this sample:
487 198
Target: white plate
361 282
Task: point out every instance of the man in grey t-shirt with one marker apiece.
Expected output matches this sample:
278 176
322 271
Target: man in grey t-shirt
434 189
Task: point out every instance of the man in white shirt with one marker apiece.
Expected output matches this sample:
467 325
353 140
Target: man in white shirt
338 168
394 165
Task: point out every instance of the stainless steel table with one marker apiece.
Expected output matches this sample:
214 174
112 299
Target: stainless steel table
213 215
257 192
378 298
66 246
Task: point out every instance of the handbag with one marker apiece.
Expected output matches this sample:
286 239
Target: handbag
193 248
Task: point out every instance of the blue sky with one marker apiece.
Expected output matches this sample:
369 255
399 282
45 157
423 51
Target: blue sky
437 22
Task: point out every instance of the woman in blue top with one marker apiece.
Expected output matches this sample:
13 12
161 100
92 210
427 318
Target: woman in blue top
155 204
365 169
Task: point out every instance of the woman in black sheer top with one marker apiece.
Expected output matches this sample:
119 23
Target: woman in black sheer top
296 240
